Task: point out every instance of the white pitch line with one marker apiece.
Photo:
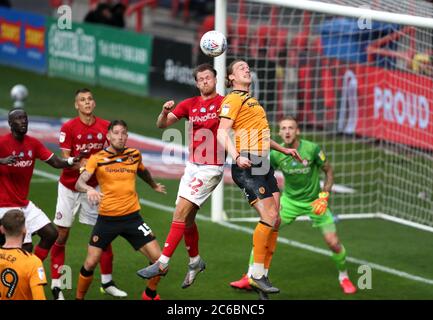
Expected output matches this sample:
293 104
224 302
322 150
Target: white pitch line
292 243
301 245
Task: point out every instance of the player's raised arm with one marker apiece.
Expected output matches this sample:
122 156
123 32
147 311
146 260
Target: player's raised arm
292 152
166 118
147 177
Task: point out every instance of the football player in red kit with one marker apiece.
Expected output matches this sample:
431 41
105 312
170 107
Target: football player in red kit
18 152
203 171
86 134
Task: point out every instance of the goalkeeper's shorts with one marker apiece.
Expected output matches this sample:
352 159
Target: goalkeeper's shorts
291 209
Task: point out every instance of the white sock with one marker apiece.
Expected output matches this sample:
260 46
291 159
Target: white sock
266 272
258 270
55 283
106 278
194 259
164 259
250 271
342 275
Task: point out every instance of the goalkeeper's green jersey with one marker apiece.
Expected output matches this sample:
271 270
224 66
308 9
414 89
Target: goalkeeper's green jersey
301 180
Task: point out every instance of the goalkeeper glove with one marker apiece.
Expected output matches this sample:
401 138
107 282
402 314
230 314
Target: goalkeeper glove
321 203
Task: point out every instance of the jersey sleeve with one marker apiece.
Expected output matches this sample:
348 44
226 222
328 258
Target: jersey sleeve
230 107
182 109
274 159
65 138
37 275
42 152
320 157
92 164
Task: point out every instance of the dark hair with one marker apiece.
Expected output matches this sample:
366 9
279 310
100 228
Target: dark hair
229 71
203 67
117 123
82 90
13 222
12 111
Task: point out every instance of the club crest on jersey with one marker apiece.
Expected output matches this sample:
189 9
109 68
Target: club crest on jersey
99 136
202 109
30 153
62 137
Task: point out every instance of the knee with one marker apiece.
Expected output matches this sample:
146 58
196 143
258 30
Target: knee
90 263
63 234
333 243
51 235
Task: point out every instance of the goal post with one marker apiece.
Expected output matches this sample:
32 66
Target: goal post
217 206
357 75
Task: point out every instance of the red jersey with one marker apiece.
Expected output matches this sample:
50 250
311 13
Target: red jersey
203 116
15 178
77 136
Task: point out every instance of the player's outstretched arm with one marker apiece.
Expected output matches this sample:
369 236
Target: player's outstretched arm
8 160
147 177
166 118
59 163
292 152
321 203
329 177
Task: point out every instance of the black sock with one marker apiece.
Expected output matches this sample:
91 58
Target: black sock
150 293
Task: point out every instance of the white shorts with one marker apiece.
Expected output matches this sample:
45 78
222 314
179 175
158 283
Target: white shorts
36 219
69 203
198 182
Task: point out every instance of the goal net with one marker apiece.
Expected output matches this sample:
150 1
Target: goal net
361 88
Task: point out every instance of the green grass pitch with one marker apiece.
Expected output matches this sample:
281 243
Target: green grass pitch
299 273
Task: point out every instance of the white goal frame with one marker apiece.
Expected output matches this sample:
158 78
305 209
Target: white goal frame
217 208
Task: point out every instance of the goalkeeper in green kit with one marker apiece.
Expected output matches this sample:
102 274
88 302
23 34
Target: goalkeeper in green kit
302 196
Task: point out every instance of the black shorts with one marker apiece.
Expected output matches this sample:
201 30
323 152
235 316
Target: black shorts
257 182
131 227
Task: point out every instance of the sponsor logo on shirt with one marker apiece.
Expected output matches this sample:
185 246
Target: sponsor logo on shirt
204 118
22 164
89 146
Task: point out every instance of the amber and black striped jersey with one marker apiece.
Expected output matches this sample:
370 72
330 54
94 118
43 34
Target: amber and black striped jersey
249 122
116 175
20 271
